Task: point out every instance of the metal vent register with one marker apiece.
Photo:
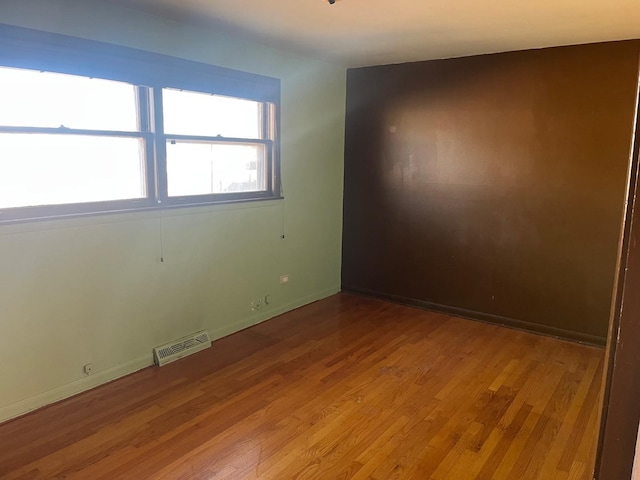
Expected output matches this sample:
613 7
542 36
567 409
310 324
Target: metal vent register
181 348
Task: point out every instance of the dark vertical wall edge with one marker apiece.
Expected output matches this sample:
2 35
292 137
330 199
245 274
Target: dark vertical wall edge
621 396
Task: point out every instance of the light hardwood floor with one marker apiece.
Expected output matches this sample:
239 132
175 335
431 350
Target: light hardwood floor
345 388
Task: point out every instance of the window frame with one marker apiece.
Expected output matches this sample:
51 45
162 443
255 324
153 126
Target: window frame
150 73
161 139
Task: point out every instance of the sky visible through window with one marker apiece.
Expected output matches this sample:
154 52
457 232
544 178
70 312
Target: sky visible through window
195 168
50 169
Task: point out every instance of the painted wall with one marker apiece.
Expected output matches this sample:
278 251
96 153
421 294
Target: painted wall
621 409
93 290
636 462
492 186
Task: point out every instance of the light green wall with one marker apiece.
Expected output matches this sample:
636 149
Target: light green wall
93 290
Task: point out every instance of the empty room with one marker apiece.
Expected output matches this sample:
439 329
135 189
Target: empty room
346 239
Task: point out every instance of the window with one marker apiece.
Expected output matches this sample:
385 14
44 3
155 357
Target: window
215 144
66 139
87 127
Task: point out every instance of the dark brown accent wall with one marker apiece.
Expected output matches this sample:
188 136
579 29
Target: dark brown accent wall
492 186
621 409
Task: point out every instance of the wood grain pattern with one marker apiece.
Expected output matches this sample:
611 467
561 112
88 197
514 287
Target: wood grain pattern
345 388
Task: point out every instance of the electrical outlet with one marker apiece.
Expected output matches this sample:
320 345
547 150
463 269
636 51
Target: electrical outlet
256 304
88 368
284 279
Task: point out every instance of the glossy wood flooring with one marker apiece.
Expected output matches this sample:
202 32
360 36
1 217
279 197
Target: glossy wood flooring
346 388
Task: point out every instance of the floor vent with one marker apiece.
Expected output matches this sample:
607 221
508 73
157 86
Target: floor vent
181 348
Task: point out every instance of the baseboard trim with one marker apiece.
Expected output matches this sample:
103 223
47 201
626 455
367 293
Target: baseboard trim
43 399
265 315
49 397
563 334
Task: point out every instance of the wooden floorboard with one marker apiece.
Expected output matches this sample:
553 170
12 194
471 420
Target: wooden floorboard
346 388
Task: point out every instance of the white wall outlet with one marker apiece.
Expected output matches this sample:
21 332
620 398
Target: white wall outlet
256 305
284 279
88 368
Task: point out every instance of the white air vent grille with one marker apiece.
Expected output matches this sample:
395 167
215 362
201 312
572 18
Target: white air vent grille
181 348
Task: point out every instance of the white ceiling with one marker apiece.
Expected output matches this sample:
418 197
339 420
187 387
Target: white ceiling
374 32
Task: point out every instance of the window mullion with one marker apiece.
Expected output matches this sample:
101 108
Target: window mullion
144 125
72 131
157 120
218 139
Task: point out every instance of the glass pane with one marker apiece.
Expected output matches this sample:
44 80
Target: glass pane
205 168
57 169
30 98
191 113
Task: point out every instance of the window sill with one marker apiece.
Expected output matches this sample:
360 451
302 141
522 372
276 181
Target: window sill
68 220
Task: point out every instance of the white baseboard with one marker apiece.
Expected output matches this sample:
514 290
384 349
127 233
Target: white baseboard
70 389
268 314
65 391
